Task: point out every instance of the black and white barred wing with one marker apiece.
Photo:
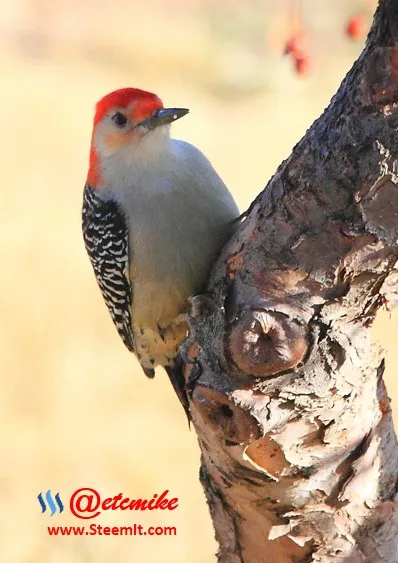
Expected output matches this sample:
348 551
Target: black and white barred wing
106 239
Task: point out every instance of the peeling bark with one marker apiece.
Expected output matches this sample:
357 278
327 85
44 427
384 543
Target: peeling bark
299 455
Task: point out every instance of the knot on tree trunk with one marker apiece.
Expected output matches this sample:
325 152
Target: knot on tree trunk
264 343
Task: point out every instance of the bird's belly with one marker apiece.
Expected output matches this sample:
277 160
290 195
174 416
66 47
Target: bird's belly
160 303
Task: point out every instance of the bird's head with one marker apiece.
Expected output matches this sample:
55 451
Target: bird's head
127 121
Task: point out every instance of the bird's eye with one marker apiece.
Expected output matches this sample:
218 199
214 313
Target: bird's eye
119 119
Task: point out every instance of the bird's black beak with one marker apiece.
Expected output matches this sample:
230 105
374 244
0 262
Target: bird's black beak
165 116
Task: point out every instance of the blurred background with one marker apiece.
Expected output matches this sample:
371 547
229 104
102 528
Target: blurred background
75 410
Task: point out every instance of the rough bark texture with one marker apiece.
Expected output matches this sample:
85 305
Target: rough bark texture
299 455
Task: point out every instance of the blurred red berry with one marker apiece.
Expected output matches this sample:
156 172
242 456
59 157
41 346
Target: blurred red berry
296 45
302 65
356 27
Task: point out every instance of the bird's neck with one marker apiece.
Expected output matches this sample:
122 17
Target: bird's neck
94 170
129 164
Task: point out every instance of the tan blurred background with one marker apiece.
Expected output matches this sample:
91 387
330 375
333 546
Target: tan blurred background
74 409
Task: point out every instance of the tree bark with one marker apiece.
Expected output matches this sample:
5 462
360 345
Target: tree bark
299 456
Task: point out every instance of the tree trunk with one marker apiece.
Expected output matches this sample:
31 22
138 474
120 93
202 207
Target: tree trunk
299 455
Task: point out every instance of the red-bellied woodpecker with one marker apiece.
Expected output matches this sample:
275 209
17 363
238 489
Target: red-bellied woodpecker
155 217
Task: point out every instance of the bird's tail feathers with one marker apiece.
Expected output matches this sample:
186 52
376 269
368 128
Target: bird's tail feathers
177 379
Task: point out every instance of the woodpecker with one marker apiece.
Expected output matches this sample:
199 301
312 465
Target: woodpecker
155 217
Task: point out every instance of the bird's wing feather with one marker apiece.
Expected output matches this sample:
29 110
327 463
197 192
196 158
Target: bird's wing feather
106 238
